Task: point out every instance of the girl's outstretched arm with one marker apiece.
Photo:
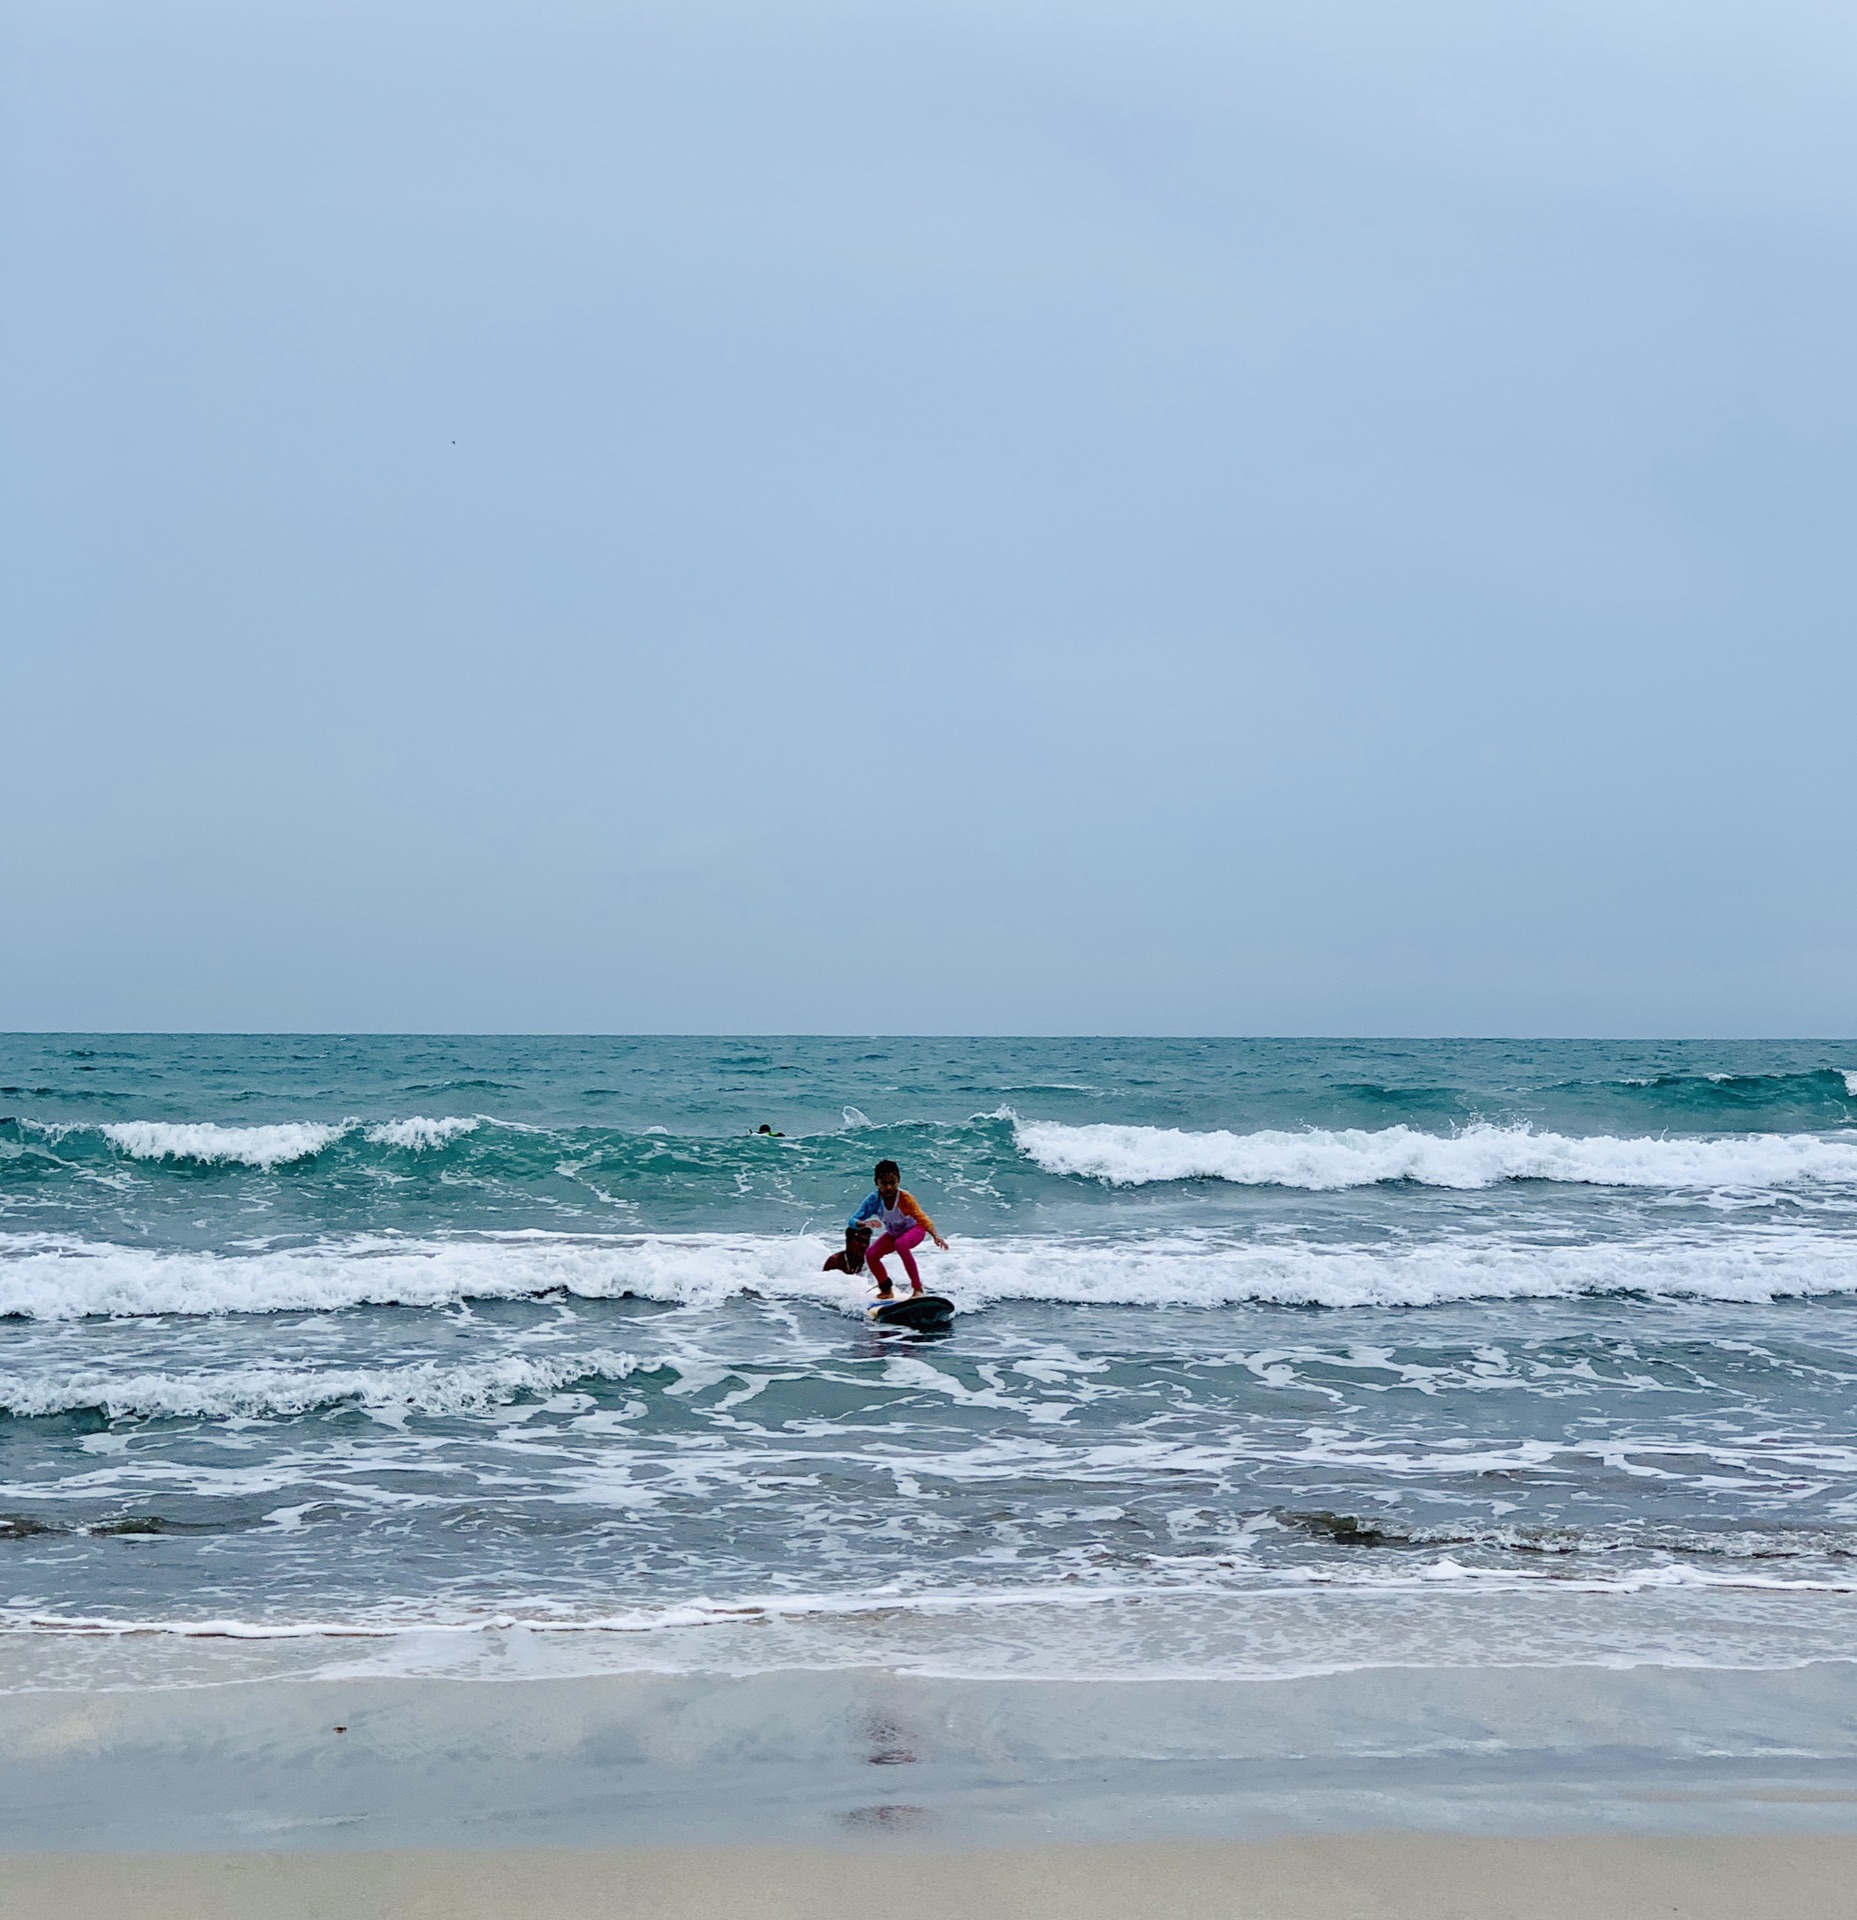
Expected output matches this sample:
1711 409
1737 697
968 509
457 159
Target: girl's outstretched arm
910 1205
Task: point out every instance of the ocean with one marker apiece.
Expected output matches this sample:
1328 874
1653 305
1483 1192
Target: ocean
1273 1360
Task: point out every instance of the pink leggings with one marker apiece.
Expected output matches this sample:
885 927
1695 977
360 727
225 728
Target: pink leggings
898 1244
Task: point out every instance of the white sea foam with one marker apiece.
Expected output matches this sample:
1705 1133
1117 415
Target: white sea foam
208 1144
48 1279
1324 1160
1190 1270
387 1393
418 1132
212 1145
1850 1080
1429 1615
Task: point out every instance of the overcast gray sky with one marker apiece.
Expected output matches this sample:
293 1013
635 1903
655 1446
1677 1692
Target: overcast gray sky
1031 517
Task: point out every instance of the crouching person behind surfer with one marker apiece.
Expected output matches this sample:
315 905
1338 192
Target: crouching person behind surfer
851 1260
904 1225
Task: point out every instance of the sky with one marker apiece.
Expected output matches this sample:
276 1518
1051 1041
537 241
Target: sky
705 517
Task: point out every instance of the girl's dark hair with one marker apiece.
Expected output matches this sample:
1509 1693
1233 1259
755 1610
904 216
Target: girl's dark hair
887 1166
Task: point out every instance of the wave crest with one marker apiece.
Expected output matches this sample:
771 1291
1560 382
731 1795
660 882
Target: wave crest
211 1145
43 1279
1320 1159
418 1133
389 1394
284 1143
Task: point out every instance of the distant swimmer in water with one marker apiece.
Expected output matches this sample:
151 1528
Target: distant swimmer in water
904 1225
851 1260
769 1131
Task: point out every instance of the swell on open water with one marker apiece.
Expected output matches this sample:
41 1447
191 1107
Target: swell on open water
1271 1356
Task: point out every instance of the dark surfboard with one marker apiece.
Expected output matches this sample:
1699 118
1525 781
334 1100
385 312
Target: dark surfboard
919 1312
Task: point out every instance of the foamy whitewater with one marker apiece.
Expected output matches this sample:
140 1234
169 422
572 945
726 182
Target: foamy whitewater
1273 1357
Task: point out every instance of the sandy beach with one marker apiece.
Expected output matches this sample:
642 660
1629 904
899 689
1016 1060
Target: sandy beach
184 1784
204 1748
1387 1877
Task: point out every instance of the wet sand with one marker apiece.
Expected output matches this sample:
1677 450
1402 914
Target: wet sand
252 1783
144 1747
1352 1877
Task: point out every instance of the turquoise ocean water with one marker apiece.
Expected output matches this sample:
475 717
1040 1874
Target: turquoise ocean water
1272 1357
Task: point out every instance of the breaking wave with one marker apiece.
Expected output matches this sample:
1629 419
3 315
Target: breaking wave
45 1279
386 1393
1323 1160
966 1155
418 1133
209 1145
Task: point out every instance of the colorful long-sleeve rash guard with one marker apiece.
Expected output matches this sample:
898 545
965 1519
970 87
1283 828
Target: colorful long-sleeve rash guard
895 1219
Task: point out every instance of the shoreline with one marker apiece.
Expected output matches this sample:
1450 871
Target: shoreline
230 1763
1371 1876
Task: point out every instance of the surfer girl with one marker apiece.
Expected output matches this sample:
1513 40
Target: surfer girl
904 1225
